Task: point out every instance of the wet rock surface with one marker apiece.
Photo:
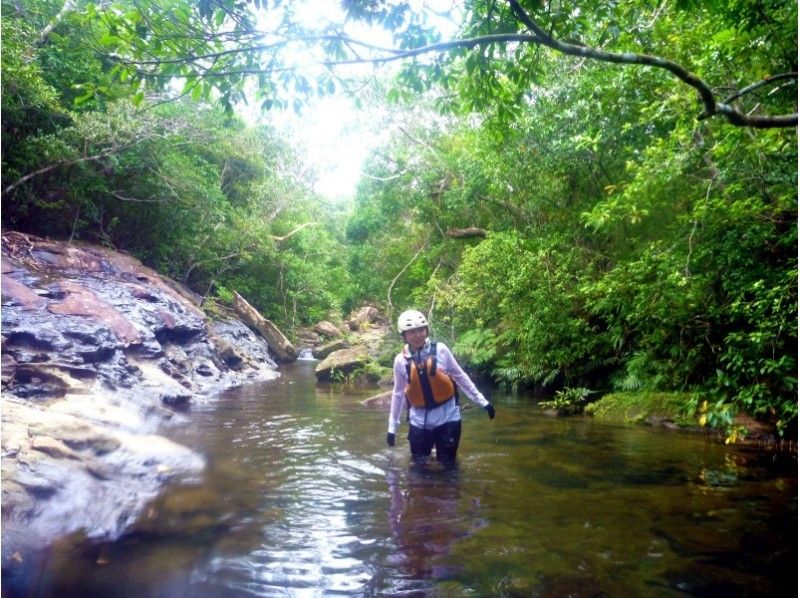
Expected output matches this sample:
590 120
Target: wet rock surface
321 352
364 339
343 361
366 331
98 353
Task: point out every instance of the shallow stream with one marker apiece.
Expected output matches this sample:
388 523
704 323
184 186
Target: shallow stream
302 497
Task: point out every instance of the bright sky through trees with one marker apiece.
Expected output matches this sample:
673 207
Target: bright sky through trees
335 139
334 136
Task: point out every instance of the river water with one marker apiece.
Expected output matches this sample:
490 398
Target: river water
302 497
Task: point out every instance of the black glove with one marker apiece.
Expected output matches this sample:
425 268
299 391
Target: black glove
490 410
390 439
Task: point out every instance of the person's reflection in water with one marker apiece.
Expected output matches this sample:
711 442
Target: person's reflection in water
426 520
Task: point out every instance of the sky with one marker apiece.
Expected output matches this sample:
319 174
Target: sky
331 134
334 138
334 135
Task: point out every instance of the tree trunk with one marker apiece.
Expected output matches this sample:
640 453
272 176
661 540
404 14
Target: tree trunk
278 343
459 233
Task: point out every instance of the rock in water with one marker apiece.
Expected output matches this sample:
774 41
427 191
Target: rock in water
98 350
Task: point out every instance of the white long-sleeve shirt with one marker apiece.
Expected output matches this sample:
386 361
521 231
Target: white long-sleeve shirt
447 411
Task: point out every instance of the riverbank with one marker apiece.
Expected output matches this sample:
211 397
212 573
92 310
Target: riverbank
98 352
669 410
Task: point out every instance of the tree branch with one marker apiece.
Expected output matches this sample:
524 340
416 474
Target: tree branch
45 33
103 154
433 295
710 104
150 67
296 230
385 178
757 84
213 259
539 37
461 233
121 197
399 274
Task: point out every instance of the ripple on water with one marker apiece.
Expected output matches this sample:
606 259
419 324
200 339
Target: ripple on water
316 505
319 562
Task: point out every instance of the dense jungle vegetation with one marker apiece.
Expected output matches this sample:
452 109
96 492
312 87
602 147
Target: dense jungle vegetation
592 194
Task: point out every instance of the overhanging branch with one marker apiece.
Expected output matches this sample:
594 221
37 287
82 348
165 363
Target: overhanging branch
461 233
293 232
147 66
710 104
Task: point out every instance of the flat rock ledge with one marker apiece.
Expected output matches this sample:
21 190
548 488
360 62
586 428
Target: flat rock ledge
99 353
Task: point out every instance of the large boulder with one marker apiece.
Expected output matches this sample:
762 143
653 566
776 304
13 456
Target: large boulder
98 351
327 329
343 361
64 472
363 317
328 348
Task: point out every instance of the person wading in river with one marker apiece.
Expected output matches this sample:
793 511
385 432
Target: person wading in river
427 377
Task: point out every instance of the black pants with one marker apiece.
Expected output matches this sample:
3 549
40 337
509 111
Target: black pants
445 437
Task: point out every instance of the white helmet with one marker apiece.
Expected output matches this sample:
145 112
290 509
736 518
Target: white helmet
409 320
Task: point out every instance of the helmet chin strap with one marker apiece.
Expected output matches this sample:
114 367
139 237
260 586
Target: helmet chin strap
425 343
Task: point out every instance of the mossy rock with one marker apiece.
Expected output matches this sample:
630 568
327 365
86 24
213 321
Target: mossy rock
343 361
643 407
373 373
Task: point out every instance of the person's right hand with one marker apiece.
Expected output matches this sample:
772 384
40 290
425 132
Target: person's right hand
390 439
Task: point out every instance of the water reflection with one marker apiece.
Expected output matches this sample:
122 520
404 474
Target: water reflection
425 519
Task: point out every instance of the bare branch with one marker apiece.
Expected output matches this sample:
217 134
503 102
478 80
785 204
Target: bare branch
213 259
45 33
296 230
434 152
737 118
103 154
757 84
399 274
384 179
259 48
433 295
121 197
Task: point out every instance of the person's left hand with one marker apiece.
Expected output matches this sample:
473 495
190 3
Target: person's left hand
490 410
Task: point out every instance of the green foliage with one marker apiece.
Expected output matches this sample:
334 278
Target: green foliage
629 246
190 190
554 340
639 406
719 415
477 347
371 372
567 401
338 376
224 295
29 103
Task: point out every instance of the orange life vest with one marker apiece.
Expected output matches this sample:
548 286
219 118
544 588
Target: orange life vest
428 387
